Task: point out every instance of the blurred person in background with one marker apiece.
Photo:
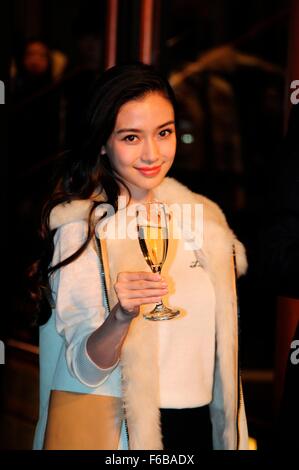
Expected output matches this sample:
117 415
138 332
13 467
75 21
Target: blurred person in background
33 69
34 140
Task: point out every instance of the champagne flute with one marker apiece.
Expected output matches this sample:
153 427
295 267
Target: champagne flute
153 240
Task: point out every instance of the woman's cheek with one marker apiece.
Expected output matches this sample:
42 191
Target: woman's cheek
171 153
128 155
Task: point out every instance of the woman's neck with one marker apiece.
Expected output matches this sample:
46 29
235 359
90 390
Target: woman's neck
137 195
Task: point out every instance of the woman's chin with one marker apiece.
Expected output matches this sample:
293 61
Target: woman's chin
149 183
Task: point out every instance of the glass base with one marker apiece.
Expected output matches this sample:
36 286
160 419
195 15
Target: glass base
161 312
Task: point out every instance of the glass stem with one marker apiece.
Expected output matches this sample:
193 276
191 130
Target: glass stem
157 269
159 305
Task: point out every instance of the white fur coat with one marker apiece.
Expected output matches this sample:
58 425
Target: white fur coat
139 354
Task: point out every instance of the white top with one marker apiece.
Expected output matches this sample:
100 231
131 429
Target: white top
187 342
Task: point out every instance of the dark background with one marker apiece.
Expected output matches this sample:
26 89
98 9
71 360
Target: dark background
236 131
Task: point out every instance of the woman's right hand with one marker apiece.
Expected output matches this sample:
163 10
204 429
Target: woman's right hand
134 289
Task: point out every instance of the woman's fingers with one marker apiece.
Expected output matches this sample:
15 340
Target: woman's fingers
139 285
135 282
143 301
133 304
139 288
138 276
145 293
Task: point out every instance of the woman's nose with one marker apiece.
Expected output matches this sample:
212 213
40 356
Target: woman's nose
151 151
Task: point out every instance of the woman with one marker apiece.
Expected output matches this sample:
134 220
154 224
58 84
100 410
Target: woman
169 377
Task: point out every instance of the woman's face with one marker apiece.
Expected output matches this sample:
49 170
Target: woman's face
142 145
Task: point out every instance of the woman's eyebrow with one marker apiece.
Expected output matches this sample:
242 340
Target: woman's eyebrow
166 124
119 131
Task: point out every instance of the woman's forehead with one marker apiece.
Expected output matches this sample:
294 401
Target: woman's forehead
152 108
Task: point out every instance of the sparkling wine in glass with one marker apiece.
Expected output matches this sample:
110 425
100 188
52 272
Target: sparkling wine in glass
153 239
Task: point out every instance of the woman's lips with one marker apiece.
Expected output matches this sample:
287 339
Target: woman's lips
149 171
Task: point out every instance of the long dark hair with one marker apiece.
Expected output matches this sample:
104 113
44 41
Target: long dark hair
84 171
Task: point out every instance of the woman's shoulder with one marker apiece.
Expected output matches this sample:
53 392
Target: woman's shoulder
69 212
172 191
76 210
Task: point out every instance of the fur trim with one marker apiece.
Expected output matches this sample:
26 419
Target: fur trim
169 190
240 257
218 246
71 211
140 385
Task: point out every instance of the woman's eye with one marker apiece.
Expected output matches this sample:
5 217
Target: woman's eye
165 132
130 138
